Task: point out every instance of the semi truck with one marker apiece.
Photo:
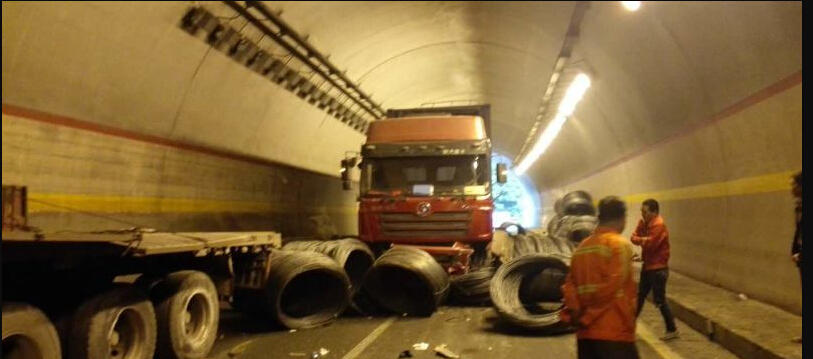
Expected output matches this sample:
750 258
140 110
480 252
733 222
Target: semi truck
425 181
131 293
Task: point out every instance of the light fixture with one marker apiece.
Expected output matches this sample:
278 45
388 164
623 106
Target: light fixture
573 95
631 5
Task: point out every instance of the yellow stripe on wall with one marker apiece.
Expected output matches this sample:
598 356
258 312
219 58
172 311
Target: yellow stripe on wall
750 185
63 203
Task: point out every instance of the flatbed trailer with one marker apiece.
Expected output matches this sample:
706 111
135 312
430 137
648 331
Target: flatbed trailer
132 293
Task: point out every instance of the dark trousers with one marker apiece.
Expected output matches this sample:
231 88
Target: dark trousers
605 349
655 280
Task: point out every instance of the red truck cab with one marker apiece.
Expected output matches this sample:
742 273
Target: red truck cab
426 181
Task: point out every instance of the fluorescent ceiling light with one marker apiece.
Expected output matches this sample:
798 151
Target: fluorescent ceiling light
631 5
572 97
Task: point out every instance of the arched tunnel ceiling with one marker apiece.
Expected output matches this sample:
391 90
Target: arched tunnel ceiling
655 71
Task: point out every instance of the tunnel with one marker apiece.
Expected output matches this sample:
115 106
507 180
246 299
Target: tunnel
234 116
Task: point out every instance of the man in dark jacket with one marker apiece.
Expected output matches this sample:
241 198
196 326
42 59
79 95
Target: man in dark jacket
653 237
796 245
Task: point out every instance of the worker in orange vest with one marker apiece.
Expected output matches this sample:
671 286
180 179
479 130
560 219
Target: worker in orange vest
599 291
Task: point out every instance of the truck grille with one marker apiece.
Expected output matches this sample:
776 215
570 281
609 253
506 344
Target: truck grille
450 225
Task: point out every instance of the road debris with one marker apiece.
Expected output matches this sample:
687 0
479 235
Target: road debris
239 349
443 351
405 354
420 346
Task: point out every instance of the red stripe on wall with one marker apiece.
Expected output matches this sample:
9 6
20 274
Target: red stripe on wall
761 95
40 116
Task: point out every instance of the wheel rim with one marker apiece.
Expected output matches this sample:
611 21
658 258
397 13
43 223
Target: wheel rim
19 346
195 319
127 336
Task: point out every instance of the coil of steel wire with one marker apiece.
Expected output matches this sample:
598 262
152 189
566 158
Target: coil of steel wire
578 203
352 254
525 292
407 280
472 288
303 290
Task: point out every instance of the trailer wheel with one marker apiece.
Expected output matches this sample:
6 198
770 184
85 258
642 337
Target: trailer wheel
28 334
117 324
188 311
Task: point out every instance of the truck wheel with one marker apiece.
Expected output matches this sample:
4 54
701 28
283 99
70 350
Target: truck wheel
188 311
146 282
117 324
28 334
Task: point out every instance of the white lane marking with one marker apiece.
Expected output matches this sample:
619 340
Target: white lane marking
364 343
658 345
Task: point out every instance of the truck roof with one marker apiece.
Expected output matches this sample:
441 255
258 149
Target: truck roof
426 128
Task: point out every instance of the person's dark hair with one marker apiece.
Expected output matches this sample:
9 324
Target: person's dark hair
611 208
797 179
652 205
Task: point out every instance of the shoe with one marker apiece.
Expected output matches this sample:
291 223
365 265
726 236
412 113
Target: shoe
797 340
671 335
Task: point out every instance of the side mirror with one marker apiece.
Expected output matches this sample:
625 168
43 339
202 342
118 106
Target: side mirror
347 165
502 173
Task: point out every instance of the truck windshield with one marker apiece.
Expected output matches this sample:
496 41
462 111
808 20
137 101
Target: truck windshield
448 174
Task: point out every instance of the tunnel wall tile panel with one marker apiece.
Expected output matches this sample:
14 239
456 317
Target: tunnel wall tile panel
161 187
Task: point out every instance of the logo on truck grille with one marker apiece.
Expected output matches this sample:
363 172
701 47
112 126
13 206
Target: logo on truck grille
423 209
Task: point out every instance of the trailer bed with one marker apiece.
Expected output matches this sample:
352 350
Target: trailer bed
142 243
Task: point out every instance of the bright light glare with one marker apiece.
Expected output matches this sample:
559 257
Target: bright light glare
631 5
573 95
542 143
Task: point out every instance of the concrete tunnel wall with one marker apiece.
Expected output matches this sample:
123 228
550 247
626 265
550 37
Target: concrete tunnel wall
724 192
711 126
708 93
98 119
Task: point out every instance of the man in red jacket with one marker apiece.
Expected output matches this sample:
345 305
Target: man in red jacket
652 236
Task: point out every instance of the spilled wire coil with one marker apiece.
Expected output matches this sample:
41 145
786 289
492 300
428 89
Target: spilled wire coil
535 241
303 290
514 298
353 255
578 203
472 288
407 280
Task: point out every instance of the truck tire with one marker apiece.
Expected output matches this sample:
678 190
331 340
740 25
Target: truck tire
187 314
28 334
119 323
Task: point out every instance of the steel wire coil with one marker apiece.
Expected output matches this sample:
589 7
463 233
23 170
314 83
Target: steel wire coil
407 280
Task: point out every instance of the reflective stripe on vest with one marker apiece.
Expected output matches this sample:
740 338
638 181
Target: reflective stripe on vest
601 249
